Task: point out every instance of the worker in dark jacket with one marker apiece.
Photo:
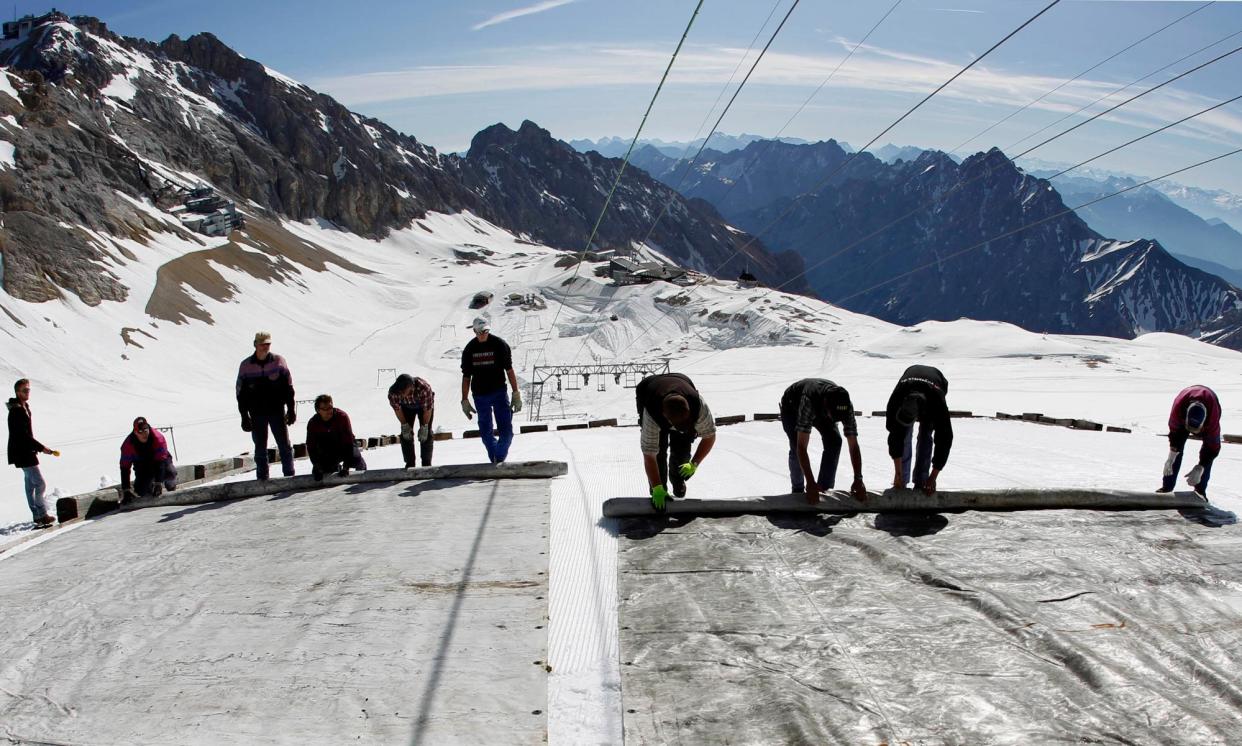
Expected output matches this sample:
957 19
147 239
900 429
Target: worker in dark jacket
486 363
817 404
919 397
24 453
1196 411
265 400
672 414
145 451
414 404
330 441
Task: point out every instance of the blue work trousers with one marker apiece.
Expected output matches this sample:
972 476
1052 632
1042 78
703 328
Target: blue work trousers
35 487
1201 488
495 406
827 475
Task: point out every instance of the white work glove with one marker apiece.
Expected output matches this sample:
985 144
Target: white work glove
466 409
406 431
515 402
1194 475
1168 463
424 433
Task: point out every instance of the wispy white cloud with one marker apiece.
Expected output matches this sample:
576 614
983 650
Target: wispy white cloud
872 70
529 10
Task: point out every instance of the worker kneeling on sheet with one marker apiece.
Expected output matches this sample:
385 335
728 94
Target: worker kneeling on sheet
146 451
1196 411
672 414
815 403
330 441
919 397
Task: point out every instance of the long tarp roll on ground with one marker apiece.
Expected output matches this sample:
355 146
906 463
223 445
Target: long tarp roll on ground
1051 627
367 613
255 488
912 500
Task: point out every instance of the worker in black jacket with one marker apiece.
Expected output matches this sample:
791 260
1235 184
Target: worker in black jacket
24 453
672 414
819 404
919 397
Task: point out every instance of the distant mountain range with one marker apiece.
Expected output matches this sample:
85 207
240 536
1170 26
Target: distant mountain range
884 239
1146 212
1210 204
615 147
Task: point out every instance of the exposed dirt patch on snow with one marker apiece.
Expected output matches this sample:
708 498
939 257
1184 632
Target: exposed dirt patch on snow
277 259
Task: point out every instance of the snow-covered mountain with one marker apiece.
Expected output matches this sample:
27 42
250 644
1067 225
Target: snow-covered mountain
1209 203
97 126
926 239
1147 212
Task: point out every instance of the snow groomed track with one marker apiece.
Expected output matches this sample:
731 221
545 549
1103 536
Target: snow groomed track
374 612
896 628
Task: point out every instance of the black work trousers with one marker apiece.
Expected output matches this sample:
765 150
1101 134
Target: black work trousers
674 451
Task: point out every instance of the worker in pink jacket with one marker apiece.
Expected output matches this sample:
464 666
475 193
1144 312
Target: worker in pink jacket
1196 411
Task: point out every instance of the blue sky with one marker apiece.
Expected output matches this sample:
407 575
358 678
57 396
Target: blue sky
586 68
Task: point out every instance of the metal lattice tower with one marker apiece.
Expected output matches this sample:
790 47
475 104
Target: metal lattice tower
626 375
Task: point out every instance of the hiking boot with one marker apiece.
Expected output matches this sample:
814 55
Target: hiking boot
317 474
46 521
679 490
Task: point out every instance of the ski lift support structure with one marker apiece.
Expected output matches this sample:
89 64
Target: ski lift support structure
626 375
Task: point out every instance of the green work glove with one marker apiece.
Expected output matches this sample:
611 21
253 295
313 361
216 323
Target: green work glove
687 469
658 495
515 402
466 409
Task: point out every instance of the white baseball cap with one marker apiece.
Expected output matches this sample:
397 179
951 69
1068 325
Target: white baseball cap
481 324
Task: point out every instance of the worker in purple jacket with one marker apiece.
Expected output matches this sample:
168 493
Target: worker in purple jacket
146 452
1196 411
265 401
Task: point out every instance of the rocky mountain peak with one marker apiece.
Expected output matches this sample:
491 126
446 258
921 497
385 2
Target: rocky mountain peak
207 53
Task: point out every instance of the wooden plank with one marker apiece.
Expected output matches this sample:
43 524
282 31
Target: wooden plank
610 422
839 501
533 428
730 419
768 416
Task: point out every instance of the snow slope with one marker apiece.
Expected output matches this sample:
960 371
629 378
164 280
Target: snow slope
403 306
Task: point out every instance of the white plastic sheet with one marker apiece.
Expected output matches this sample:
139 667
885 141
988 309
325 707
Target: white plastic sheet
377 613
1017 628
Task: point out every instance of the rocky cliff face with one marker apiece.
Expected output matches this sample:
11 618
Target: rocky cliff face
98 124
527 178
866 254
